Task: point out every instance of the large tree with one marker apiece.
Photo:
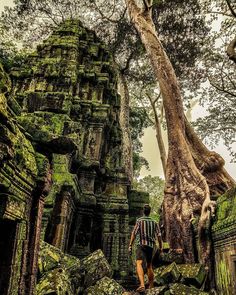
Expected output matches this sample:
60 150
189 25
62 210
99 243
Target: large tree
193 173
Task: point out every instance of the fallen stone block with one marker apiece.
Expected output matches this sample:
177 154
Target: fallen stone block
95 267
180 289
51 257
170 274
167 258
56 281
158 281
193 274
105 286
157 291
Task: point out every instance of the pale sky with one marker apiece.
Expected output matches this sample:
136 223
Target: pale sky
5 3
150 148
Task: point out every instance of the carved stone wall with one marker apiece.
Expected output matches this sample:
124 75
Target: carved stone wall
23 174
70 108
224 239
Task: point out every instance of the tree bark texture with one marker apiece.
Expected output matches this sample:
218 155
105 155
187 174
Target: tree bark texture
159 137
187 193
231 50
127 147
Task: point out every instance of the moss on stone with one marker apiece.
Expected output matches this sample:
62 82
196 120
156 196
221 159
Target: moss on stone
56 281
225 212
223 277
105 286
170 274
193 274
96 267
180 289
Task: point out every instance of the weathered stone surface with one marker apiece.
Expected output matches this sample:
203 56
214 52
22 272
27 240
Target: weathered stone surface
53 262
180 289
105 286
96 267
192 274
20 204
56 281
167 258
224 241
51 257
157 290
170 274
157 276
65 274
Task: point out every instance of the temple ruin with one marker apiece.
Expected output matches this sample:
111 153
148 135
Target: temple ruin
62 178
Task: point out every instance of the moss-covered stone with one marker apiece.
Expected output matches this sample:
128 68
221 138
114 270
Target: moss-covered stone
167 258
105 286
56 281
61 273
96 267
170 274
225 213
157 291
52 263
180 289
49 257
193 274
224 239
157 276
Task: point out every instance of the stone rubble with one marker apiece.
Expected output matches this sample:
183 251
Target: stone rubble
63 274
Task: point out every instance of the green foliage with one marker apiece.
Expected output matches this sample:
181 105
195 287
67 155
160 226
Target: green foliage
10 56
138 163
154 185
138 122
218 96
157 2
182 29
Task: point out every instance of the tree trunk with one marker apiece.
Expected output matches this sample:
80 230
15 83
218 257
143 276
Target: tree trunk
209 163
231 50
127 147
187 193
159 137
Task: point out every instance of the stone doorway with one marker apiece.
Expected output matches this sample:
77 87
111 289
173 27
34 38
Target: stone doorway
7 245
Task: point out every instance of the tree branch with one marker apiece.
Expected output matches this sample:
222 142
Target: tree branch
231 8
127 64
223 128
108 18
221 89
219 12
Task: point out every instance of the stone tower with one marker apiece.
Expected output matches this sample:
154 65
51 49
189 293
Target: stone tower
67 91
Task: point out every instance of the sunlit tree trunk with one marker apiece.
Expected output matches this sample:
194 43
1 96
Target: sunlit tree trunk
127 147
159 136
187 193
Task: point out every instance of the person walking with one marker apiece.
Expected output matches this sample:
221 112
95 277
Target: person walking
147 232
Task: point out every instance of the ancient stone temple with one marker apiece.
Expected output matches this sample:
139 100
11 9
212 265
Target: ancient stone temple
62 180
61 170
